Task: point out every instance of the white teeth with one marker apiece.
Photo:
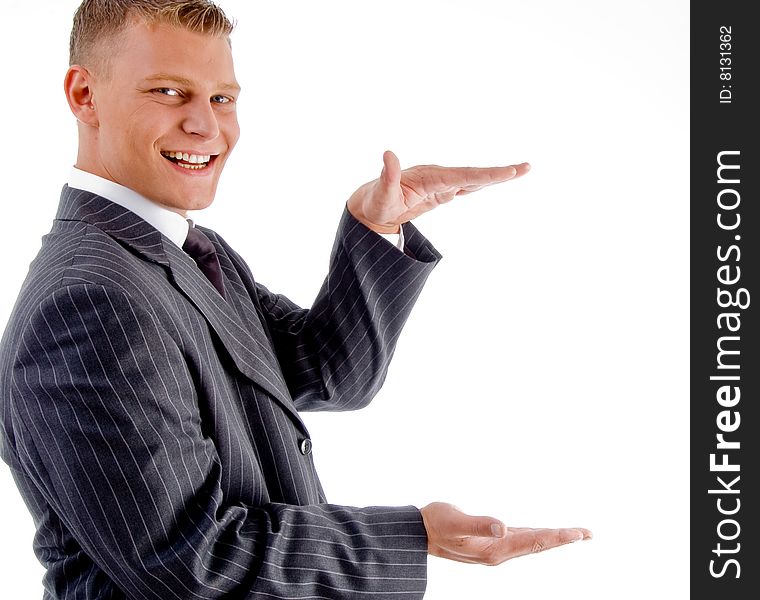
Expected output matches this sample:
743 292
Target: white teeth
193 159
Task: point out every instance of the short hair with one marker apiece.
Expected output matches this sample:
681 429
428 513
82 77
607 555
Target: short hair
100 21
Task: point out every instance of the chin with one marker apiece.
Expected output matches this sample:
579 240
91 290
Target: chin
199 203
190 201
198 206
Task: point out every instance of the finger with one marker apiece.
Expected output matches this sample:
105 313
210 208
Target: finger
465 177
587 534
521 169
391 173
521 541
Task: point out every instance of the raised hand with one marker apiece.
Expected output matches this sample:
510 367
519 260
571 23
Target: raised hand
465 538
399 196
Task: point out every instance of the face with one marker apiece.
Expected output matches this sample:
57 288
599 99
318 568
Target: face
166 119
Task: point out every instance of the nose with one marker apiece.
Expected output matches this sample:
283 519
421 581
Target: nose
200 119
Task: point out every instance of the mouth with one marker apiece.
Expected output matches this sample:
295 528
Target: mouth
186 160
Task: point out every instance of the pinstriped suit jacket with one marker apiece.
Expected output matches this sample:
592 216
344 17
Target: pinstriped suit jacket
153 427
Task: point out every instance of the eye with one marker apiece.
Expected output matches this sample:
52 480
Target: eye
219 99
167 92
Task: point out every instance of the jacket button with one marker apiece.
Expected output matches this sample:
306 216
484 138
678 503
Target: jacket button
306 446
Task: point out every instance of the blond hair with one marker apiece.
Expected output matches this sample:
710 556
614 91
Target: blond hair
99 23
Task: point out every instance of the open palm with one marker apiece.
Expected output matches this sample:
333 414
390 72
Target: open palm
399 196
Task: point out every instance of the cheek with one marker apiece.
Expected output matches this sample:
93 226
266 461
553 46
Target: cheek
127 138
142 127
231 130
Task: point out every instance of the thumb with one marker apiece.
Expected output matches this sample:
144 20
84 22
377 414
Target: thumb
391 173
469 525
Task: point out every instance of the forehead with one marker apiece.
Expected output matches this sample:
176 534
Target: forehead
146 50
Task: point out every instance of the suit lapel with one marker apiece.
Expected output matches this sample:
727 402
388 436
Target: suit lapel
243 338
247 346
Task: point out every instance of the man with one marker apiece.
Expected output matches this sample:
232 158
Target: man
150 388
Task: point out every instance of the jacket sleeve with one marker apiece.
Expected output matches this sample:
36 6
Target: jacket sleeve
335 355
107 427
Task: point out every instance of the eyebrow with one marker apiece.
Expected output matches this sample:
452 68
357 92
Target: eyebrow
184 81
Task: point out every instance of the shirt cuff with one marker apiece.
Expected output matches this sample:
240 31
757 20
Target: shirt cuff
397 239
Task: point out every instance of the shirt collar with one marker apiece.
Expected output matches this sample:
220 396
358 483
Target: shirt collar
173 225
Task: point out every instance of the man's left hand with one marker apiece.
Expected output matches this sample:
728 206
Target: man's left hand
399 196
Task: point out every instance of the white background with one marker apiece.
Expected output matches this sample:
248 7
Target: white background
542 377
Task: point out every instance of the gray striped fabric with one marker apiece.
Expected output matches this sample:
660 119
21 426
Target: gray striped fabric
153 427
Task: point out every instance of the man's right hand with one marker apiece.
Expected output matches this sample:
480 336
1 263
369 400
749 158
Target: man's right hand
457 536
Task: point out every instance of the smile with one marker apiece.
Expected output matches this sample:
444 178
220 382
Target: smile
191 162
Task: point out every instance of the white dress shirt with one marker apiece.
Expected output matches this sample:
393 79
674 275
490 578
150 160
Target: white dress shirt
173 225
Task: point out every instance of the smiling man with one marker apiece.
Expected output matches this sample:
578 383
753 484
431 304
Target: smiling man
157 112
151 389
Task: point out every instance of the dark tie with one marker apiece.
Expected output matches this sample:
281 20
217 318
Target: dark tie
202 250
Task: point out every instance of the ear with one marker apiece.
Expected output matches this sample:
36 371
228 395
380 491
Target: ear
79 94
